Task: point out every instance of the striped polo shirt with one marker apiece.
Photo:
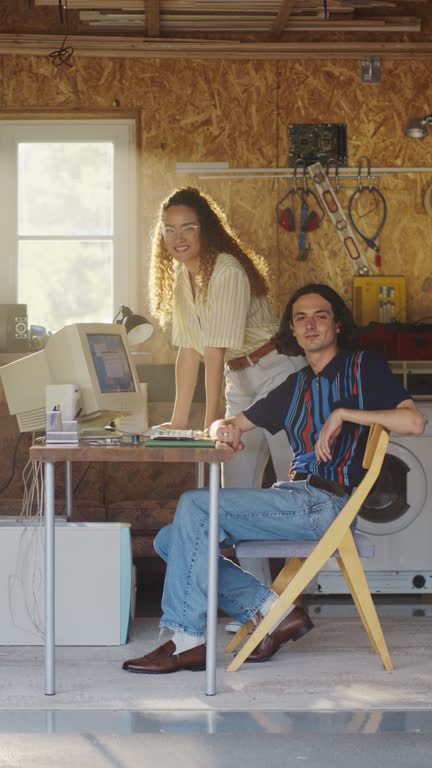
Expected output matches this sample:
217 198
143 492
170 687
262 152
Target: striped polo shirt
303 402
229 317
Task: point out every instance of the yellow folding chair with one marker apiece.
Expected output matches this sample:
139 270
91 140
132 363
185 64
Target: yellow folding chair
307 559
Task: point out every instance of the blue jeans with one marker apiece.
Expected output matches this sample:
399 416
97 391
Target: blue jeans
295 511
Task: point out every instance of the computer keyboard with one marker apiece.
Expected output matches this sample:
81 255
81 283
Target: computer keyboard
176 434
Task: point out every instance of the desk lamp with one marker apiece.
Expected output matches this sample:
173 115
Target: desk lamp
138 329
417 128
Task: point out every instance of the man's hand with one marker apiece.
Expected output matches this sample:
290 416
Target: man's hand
405 419
227 433
330 431
230 430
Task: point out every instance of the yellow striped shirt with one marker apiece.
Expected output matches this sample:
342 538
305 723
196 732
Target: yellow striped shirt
230 317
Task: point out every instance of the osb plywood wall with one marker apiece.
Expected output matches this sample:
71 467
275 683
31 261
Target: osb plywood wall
238 111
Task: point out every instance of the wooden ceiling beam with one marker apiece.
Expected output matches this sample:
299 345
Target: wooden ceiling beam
111 47
202 5
279 24
181 24
152 13
197 6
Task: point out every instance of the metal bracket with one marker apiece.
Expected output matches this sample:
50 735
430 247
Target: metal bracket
371 69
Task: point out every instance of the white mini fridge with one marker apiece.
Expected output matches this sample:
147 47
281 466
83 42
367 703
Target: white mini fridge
94 590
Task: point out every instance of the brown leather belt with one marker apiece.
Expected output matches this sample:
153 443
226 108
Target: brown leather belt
238 363
324 485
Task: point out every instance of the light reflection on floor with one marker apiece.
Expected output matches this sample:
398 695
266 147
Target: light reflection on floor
393 606
126 722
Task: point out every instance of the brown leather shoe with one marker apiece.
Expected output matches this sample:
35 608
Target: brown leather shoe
293 627
164 660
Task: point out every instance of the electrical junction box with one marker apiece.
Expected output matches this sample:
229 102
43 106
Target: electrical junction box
317 143
379 299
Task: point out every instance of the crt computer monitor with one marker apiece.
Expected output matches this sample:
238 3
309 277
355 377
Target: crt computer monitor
94 356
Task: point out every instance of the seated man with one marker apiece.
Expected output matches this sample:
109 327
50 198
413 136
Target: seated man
326 409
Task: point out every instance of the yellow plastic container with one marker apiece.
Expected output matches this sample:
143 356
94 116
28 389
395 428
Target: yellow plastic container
379 299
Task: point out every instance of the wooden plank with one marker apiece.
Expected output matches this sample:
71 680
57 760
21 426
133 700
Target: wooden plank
212 6
193 6
91 45
205 23
125 453
152 12
282 17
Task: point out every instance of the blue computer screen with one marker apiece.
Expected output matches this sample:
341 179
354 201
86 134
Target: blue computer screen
111 363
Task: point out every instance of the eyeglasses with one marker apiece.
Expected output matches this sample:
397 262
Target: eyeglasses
187 231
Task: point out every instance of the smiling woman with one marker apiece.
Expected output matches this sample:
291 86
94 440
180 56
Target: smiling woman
216 292
181 234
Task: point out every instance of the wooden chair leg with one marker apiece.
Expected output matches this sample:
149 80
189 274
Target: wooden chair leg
352 564
274 616
308 570
286 574
351 588
281 581
238 637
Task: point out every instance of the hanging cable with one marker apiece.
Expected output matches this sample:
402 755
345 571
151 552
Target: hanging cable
13 468
63 55
378 197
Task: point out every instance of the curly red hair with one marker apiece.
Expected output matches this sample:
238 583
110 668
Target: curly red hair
218 237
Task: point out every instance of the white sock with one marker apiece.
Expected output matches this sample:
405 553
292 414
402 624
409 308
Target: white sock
269 603
184 642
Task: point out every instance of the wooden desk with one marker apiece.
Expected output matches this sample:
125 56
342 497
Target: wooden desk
50 455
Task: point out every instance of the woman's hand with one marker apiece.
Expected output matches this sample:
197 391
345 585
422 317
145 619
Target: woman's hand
169 425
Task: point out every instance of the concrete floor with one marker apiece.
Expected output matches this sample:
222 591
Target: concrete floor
332 667
325 700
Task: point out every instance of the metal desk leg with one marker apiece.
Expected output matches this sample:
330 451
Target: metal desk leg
212 597
200 474
68 491
49 579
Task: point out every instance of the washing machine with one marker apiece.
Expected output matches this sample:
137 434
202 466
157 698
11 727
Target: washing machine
397 517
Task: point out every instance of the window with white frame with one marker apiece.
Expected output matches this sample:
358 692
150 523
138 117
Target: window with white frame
68 219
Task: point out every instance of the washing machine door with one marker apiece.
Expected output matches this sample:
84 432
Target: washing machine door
399 494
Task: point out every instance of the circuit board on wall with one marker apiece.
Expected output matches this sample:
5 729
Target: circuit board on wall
317 143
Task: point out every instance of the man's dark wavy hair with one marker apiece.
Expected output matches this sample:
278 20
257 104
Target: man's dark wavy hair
285 341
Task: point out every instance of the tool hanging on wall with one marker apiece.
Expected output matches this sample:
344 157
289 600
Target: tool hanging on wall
427 200
311 210
343 228
303 247
358 196
285 208
311 215
285 212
